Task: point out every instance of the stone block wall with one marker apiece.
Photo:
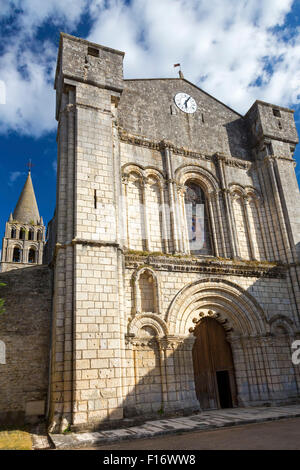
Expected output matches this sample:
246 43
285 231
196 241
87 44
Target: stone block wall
25 329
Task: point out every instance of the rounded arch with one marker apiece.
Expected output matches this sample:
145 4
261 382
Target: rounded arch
13 232
281 323
17 253
136 292
234 305
22 233
31 234
203 177
32 254
237 190
155 176
140 322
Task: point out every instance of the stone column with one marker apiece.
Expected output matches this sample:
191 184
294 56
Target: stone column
248 226
173 218
220 221
125 214
163 218
228 207
148 244
184 227
209 198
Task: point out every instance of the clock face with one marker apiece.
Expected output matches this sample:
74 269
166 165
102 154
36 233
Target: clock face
185 102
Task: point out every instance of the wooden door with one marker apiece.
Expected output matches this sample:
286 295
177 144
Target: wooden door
213 366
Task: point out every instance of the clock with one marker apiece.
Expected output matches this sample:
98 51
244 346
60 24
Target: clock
185 102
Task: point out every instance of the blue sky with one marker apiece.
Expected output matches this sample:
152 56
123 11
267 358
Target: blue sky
236 50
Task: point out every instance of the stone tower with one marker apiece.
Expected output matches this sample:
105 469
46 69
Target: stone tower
24 239
134 295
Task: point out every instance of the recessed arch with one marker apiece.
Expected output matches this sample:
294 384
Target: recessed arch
138 301
240 309
281 322
32 255
138 323
17 254
204 177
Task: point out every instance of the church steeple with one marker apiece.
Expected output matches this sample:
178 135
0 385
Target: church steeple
26 210
24 240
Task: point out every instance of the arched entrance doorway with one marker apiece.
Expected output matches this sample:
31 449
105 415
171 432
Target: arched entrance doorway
213 366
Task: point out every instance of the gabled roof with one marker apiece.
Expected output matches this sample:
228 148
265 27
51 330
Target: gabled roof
190 83
26 210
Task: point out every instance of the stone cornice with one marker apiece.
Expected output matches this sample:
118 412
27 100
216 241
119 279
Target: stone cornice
142 141
206 266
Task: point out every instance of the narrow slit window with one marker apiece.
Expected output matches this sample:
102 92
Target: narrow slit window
95 199
93 51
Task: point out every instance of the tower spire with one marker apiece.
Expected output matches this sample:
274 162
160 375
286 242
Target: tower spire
26 210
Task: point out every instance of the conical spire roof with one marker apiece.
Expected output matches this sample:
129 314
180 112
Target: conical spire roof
26 211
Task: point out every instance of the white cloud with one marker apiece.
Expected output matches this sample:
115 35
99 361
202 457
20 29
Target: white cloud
14 175
27 64
238 50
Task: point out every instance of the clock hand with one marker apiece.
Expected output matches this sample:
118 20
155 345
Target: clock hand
185 103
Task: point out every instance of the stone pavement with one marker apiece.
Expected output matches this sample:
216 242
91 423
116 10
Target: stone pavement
205 420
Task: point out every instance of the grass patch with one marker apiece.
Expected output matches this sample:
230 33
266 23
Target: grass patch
15 440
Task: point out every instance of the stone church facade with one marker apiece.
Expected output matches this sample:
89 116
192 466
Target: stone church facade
174 248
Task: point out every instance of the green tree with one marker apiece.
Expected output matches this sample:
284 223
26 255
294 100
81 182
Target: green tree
2 309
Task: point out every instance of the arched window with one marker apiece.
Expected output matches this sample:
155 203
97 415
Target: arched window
32 256
13 233
39 236
31 234
197 220
22 234
16 255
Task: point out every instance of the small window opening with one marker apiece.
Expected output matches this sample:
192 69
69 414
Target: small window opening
13 233
31 256
22 234
17 255
269 149
202 117
279 125
31 235
276 112
95 199
93 51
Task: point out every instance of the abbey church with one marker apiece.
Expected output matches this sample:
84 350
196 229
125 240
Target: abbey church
169 280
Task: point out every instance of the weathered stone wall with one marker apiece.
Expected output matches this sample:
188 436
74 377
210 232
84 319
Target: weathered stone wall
123 327
147 108
25 328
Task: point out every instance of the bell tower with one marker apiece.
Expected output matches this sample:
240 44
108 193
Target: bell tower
24 238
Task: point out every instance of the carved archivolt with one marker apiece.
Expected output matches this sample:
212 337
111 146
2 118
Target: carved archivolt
242 312
146 174
204 177
245 192
219 316
143 329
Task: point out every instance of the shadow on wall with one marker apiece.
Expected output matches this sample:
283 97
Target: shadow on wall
25 331
167 373
237 130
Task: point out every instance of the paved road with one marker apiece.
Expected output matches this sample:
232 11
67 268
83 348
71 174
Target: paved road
275 435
